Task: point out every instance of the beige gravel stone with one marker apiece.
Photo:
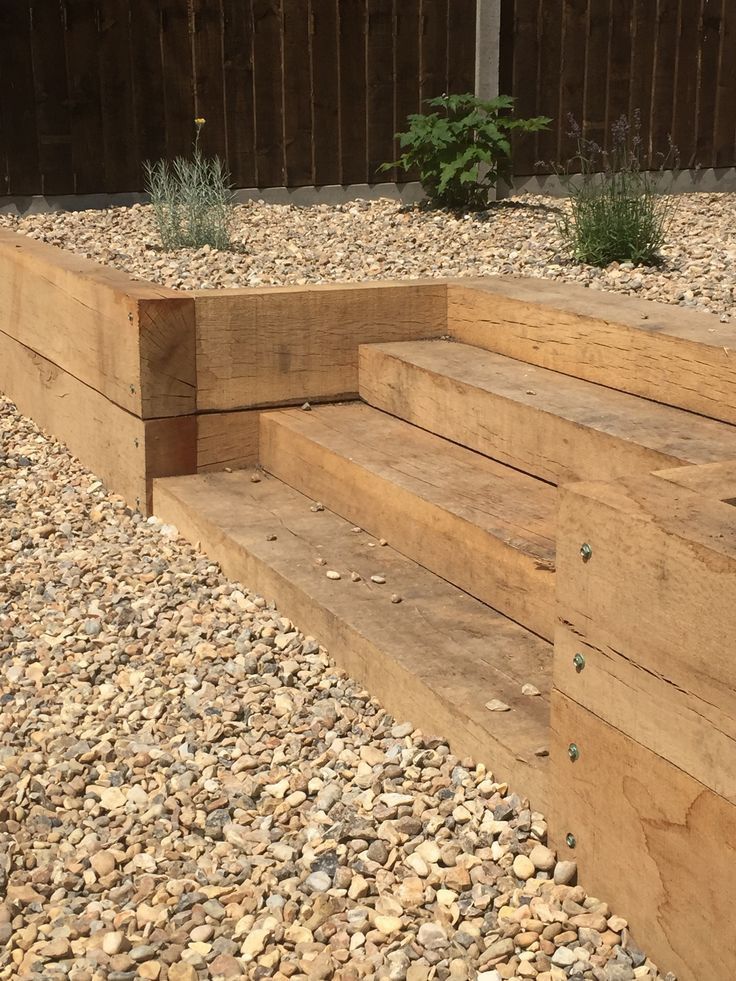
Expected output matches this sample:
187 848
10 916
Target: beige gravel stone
190 789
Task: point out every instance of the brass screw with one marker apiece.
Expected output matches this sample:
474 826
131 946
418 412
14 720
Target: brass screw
579 662
571 840
573 752
586 552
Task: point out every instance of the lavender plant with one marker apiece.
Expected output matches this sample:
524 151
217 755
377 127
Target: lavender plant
619 211
192 199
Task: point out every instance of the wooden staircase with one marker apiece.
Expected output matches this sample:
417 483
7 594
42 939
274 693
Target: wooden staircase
434 500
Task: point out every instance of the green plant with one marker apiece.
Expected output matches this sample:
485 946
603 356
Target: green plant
463 149
618 211
192 200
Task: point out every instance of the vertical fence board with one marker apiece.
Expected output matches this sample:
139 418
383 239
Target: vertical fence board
664 79
380 86
684 125
267 68
18 107
724 138
209 82
407 98
52 100
353 136
619 67
325 92
642 71
238 91
708 58
574 31
433 63
297 94
461 46
596 71
548 144
83 72
178 75
119 145
148 81
525 81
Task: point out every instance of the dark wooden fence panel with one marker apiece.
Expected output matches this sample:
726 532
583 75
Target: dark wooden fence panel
671 61
294 92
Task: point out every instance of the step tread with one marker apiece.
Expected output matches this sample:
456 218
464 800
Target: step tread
483 526
504 502
667 434
437 657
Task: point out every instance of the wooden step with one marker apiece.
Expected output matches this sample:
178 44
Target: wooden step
660 351
555 427
484 527
435 659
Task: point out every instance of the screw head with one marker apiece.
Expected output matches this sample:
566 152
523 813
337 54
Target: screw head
586 551
573 752
579 662
570 840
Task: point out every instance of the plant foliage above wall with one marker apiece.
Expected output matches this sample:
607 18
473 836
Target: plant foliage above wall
462 149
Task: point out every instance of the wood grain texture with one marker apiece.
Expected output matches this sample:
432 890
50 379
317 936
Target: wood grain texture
279 346
655 606
716 481
661 352
227 439
435 659
132 342
655 843
539 421
125 451
481 526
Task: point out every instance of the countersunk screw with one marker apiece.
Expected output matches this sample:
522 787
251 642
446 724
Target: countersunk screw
585 552
571 840
579 662
573 752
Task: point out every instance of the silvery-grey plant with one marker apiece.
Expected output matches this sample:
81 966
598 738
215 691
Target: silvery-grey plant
192 200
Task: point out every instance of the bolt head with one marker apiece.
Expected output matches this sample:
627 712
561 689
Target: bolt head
579 662
586 551
570 840
573 752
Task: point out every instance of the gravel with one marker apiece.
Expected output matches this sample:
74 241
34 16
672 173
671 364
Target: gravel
190 789
369 240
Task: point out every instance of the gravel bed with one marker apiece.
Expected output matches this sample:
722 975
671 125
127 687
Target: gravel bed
369 240
190 789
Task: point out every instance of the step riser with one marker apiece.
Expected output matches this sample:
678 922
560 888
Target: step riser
520 435
506 578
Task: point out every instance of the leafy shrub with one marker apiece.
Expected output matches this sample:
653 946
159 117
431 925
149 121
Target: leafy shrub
462 150
618 212
192 200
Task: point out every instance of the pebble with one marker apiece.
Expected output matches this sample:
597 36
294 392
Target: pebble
496 705
196 791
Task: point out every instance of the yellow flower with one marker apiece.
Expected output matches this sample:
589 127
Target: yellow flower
199 122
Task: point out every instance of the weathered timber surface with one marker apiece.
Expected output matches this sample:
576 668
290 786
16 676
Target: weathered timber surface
539 421
655 350
227 439
125 451
656 843
715 480
482 526
654 608
435 658
280 346
130 341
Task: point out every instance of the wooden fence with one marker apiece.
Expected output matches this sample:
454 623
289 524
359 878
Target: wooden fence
295 92
671 59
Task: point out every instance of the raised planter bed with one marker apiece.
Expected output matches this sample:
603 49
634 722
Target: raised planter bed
141 381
